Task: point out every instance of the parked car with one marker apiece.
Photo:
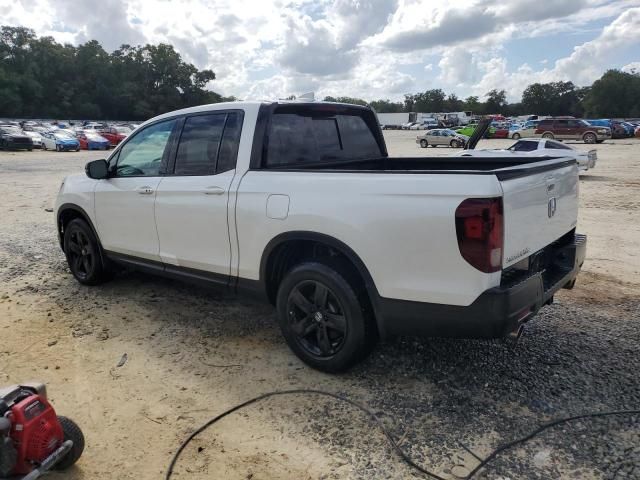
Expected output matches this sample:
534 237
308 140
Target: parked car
481 253
115 134
407 126
468 130
60 141
528 129
539 147
628 128
572 129
36 138
501 132
12 138
93 126
91 140
441 136
617 129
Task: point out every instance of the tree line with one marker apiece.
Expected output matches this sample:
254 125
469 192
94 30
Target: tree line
41 78
614 95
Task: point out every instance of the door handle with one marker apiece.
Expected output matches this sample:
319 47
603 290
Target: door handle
146 190
213 191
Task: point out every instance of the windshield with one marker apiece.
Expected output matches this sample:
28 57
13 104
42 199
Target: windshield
63 136
12 130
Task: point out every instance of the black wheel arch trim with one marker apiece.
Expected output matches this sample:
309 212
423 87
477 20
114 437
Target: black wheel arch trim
330 241
83 214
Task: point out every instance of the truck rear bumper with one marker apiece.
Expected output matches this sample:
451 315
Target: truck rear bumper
496 312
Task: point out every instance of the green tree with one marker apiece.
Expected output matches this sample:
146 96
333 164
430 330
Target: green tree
42 78
386 106
615 94
351 100
472 104
496 101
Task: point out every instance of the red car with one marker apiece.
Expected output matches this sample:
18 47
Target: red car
90 140
501 133
115 134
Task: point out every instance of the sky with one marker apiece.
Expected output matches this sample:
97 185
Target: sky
371 49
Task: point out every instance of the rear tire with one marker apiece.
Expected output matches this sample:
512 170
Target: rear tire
424 143
516 136
84 254
71 432
324 316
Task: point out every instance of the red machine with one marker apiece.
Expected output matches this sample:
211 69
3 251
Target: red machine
33 439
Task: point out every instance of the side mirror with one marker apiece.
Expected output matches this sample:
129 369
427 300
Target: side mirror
97 169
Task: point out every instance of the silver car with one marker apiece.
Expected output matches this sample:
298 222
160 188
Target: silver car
441 136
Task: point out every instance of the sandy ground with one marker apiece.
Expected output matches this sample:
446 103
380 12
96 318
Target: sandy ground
193 353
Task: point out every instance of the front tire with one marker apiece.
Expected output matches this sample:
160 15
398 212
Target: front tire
516 136
454 144
548 135
83 253
324 317
424 143
590 138
71 432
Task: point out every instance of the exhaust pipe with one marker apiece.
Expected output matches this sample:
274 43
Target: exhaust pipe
514 337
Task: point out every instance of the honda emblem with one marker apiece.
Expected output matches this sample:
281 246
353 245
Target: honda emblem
552 207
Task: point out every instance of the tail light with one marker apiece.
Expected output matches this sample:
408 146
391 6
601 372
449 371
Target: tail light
480 228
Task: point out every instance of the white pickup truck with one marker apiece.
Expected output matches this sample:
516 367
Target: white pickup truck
299 204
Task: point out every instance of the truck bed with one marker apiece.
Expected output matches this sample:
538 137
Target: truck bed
503 167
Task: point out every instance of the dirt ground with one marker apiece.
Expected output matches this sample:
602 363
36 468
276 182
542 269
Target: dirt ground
192 353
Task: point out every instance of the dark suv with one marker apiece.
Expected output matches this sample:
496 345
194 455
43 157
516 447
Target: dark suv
572 129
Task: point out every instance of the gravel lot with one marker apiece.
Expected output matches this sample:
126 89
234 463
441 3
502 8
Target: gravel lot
193 353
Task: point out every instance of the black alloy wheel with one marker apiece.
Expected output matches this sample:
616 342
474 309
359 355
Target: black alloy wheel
325 316
317 318
83 253
82 258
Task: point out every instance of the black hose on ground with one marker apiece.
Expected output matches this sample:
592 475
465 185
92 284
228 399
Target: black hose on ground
386 432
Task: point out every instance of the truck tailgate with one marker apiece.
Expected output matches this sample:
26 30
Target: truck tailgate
540 206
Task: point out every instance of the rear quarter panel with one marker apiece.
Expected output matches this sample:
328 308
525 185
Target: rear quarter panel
402 226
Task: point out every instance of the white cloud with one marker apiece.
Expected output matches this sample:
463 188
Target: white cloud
362 48
633 67
584 65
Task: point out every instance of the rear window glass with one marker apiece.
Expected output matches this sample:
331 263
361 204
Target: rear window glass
524 146
556 145
308 136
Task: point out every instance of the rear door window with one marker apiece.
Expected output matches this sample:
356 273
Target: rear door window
199 144
208 144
